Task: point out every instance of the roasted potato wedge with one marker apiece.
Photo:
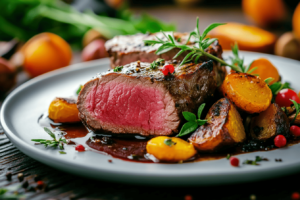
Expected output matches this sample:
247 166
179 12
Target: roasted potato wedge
248 93
224 128
269 123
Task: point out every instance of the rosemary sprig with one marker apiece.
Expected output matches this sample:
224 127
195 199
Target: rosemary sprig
51 143
239 62
194 52
193 123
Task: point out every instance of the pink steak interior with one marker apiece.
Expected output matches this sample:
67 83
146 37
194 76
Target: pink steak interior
128 105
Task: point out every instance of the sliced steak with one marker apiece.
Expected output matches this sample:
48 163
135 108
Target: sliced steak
141 100
125 49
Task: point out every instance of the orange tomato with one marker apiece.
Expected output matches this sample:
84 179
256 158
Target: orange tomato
45 52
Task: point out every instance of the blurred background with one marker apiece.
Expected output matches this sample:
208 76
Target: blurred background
38 36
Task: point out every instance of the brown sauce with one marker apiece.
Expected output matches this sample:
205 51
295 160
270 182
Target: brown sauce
133 148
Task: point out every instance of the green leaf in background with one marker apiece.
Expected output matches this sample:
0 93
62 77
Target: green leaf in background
147 23
22 19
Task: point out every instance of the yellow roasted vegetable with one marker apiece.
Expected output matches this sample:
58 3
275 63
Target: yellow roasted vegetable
170 149
248 93
63 110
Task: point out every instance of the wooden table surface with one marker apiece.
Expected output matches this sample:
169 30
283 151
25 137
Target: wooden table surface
61 185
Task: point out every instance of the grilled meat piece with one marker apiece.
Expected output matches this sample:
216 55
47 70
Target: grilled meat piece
138 99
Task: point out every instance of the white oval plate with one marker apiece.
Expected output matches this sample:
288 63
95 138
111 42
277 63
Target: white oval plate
25 104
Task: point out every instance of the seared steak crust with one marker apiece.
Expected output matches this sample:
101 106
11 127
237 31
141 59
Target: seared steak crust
125 49
184 90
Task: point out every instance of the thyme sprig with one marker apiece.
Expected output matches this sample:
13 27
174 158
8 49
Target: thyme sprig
194 52
51 143
255 162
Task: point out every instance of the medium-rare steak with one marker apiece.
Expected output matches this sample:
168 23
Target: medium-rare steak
138 99
125 49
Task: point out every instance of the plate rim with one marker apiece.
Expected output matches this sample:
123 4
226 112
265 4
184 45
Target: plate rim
38 154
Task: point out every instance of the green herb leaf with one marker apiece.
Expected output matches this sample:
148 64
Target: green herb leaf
201 122
62 152
187 128
169 142
192 123
296 105
252 70
118 68
50 133
269 80
201 43
200 109
191 117
51 143
79 89
276 87
38 140
209 28
258 158
163 50
228 156
250 162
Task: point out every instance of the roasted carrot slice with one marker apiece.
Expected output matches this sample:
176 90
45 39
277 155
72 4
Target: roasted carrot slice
265 69
249 38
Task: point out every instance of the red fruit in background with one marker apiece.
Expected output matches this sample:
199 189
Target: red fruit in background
283 97
295 130
94 50
7 76
280 141
295 196
234 161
